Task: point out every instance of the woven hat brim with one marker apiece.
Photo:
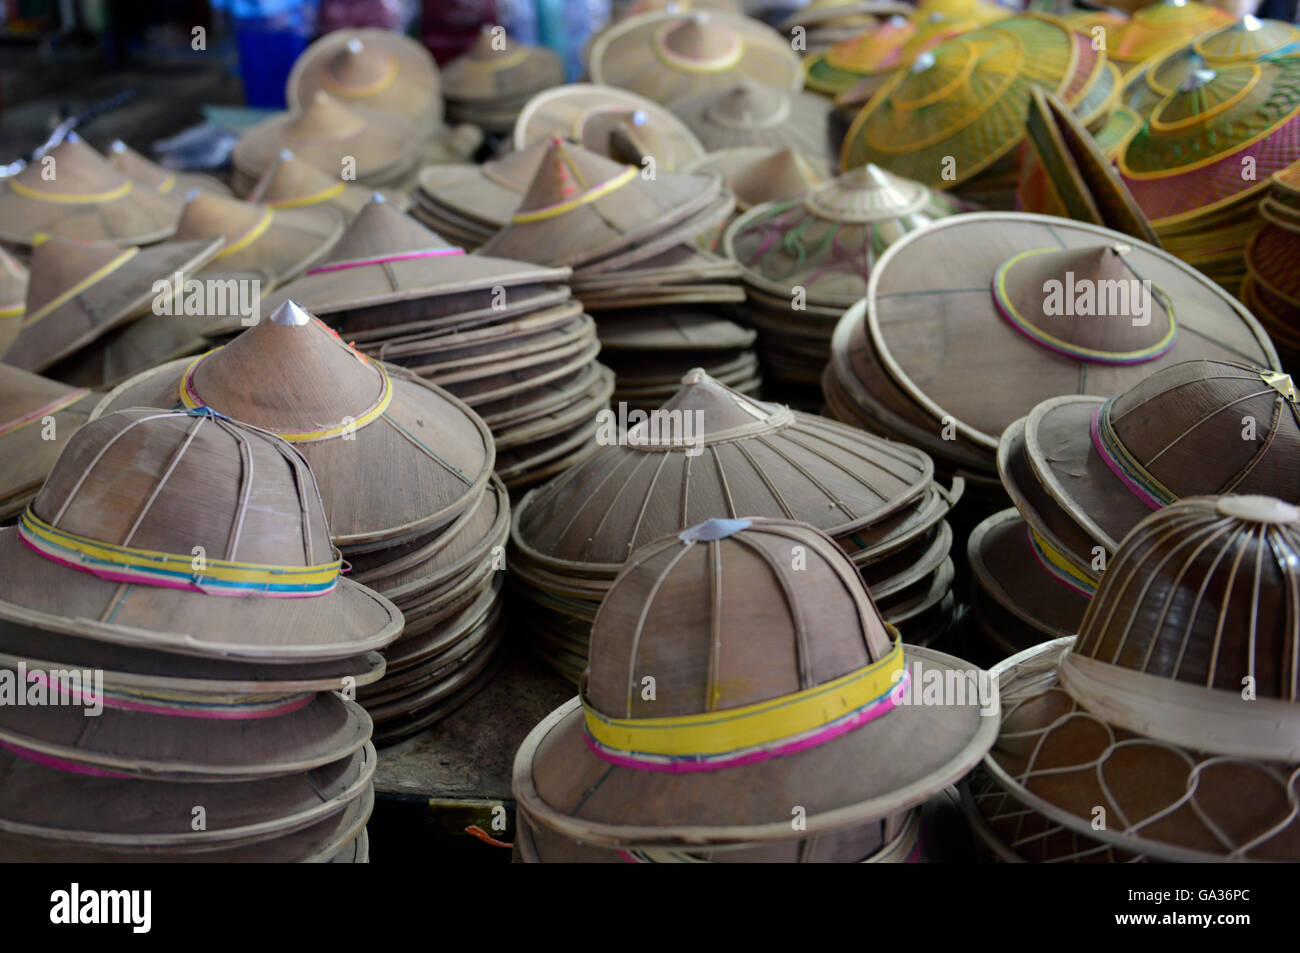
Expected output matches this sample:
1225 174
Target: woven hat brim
884 767
163 746
465 190
119 297
296 239
26 457
141 217
382 149
805 129
346 621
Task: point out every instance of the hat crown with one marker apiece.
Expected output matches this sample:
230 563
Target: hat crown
779 176
749 105
701 39
874 50
770 608
378 230
324 117
358 64
565 172
136 167
516 170
207 215
1205 592
72 168
288 177
867 194
1203 427
187 483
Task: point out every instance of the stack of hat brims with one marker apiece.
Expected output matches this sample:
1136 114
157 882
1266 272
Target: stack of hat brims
38 416
490 84
1190 755
1272 286
405 474
221 734
709 451
468 204
659 777
13 297
504 336
971 322
632 241
807 259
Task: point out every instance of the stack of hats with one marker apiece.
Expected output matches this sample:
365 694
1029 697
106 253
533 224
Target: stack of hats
712 452
668 57
404 470
632 240
1064 172
470 203
1083 471
756 175
612 122
13 298
504 336
804 261
491 82
970 323
1155 29
955 118
826 22
1173 717
760 668
84 296
1198 166
165 182
39 415
1272 287
751 115
73 192
176 569
289 183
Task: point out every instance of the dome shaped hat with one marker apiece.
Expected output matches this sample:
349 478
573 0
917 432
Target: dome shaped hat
74 192
79 291
165 182
1175 711
756 175
752 113
379 69
851 67
497 68
346 414
289 182
13 298
590 114
28 444
1188 430
250 574
667 57
767 682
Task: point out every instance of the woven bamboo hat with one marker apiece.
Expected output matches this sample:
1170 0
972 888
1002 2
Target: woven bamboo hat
756 175
490 83
1157 28
611 121
151 175
281 243
336 137
74 192
260 533
289 182
13 298
470 203
29 443
290 375
581 206
917 326
1198 428
79 291
670 775
379 69
669 57
751 113
856 67
1174 712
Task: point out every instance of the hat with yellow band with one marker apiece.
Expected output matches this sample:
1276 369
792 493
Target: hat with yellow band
78 291
289 182
38 416
73 191
419 454
13 298
187 532
741 672
148 174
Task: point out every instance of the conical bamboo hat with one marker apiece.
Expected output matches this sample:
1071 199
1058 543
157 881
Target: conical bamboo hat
746 635
961 106
1155 29
1178 433
581 206
753 114
380 69
667 57
591 115
289 182
280 242
866 60
39 417
79 291
118 507
487 193
74 192
1170 712
497 67
13 298
756 175
150 174
292 376
842 225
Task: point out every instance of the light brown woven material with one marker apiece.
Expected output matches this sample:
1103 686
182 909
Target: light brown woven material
79 291
74 192
497 68
415 466
486 195
289 182
723 624
13 298
756 175
756 113
380 69
131 479
173 185
39 415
